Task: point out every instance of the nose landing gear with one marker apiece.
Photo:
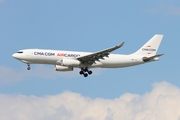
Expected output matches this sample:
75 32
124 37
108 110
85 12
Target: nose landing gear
85 72
28 68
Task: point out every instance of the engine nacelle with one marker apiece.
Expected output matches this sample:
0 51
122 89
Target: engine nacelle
63 68
70 62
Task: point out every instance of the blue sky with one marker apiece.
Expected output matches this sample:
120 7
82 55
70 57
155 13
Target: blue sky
87 26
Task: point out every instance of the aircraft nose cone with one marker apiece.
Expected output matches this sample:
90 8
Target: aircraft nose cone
14 55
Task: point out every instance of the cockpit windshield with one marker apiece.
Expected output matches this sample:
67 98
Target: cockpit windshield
20 52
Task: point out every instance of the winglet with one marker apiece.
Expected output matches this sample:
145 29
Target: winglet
120 45
115 47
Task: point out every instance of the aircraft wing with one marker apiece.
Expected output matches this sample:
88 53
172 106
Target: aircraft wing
91 58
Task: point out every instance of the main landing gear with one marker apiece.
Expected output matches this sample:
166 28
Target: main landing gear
28 68
85 72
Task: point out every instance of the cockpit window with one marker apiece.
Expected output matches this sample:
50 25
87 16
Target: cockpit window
20 52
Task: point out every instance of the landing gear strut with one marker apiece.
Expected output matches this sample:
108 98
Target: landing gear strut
28 68
85 72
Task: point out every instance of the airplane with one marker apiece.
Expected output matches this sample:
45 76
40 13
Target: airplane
68 60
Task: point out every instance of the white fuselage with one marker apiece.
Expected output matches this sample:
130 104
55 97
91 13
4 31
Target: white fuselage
43 56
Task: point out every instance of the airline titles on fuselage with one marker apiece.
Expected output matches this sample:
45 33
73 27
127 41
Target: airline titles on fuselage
68 55
148 49
58 54
44 53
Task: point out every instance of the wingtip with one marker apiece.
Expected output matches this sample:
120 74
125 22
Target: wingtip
121 44
161 54
158 55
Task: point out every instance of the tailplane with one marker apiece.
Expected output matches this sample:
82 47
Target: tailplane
152 58
151 47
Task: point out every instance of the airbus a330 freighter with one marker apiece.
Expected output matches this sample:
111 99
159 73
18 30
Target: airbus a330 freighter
68 60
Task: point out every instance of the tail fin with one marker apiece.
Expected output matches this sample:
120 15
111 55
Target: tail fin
151 47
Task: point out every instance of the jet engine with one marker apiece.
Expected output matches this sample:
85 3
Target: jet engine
63 68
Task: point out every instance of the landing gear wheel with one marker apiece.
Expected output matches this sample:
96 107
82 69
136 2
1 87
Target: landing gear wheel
81 72
85 71
28 68
90 72
85 74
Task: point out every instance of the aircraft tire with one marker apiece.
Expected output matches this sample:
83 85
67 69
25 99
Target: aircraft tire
81 72
90 72
28 68
85 69
85 75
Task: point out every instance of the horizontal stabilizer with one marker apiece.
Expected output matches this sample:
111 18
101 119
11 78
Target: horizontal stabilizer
152 58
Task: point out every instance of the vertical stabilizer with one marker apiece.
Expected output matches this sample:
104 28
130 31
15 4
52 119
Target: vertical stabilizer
151 47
